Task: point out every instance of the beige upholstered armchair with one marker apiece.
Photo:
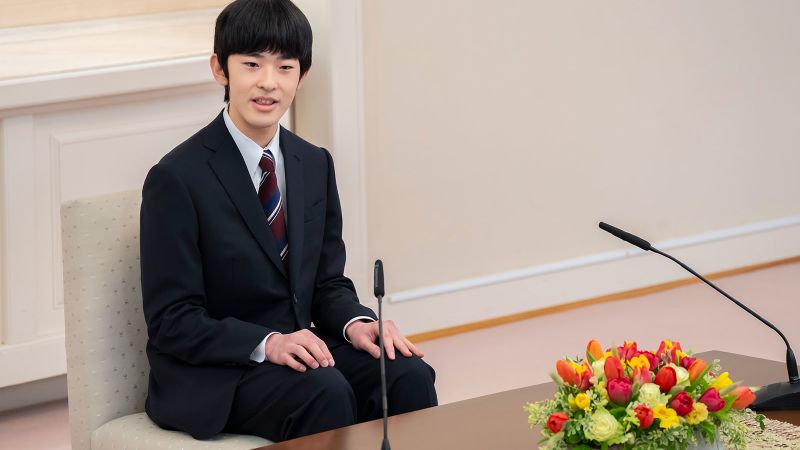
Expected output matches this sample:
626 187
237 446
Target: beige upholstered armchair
106 335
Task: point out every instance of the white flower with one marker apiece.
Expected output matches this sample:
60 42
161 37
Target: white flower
602 426
598 368
650 394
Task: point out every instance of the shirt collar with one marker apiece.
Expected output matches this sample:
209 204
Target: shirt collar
251 152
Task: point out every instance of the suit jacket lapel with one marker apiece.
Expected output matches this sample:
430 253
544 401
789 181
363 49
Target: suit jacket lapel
228 165
293 165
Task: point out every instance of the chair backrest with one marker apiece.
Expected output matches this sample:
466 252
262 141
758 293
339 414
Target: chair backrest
107 367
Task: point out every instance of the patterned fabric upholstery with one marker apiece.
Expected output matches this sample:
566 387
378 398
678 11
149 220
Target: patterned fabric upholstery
137 431
107 367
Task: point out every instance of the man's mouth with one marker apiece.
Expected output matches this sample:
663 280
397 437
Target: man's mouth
266 101
265 104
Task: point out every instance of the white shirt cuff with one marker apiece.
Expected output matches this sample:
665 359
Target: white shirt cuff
259 355
353 320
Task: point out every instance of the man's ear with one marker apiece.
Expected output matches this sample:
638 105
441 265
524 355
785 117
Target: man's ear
216 70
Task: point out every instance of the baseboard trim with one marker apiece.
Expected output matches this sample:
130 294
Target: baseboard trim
497 321
34 360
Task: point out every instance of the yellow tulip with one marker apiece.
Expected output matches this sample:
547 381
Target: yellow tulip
722 382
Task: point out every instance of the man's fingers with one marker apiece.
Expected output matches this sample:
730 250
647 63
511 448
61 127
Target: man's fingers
371 348
317 353
326 353
388 344
304 356
293 363
413 348
402 344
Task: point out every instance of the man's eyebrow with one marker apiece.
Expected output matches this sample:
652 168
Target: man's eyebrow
261 55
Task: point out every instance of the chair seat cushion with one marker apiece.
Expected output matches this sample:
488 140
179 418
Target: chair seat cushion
137 431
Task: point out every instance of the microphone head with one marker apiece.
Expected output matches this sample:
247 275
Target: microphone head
625 236
378 278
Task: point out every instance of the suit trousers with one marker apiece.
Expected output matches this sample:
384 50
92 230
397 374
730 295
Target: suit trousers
279 403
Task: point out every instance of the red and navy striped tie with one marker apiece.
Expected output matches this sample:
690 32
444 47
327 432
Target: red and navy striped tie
272 203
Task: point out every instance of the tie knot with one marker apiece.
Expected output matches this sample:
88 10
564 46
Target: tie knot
267 162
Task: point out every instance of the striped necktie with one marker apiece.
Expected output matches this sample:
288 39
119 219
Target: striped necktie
272 203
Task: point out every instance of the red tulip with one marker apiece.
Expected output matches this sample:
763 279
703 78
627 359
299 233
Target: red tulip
583 381
645 416
744 397
627 351
642 375
682 404
567 372
613 368
669 348
712 400
696 369
687 362
593 348
619 391
556 421
666 378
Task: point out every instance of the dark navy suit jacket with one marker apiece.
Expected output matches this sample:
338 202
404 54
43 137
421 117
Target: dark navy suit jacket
213 284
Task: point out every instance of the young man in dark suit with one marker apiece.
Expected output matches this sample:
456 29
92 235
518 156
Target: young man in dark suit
241 250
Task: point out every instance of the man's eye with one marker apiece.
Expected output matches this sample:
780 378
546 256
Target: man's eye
250 64
287 67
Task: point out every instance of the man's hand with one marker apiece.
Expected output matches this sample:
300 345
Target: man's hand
303 345
364 336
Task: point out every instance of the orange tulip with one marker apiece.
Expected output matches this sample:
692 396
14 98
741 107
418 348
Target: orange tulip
566 372
594 349
744 397
697 368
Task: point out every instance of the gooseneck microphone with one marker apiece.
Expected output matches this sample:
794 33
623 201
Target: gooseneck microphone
379 291
776 396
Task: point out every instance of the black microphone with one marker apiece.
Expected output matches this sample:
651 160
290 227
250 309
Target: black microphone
775 396
379 291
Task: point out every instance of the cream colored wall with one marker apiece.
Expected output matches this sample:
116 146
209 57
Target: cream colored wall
499 133
17 13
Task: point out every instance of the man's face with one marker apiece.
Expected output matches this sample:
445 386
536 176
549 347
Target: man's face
262 87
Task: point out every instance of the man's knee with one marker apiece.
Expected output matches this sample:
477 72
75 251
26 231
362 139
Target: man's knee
412 383
412 370
327 386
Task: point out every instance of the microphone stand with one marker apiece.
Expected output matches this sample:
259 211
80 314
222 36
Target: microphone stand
775 396
379 292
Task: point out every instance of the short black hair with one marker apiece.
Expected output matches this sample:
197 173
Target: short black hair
255 26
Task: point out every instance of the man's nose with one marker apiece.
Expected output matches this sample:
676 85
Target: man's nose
267 80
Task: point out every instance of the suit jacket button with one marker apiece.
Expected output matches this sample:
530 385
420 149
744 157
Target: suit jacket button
294 298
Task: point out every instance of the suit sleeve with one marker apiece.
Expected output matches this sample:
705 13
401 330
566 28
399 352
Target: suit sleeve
173 293
335 301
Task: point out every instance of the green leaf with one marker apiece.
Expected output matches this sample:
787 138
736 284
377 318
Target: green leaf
708 430
730 388
760 419
618 412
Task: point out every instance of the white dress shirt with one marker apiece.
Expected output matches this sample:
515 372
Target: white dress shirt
251 153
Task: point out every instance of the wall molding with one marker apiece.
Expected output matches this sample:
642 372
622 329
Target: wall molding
639 292
590 260
348 136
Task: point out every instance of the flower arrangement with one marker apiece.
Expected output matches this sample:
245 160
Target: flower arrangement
635 399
